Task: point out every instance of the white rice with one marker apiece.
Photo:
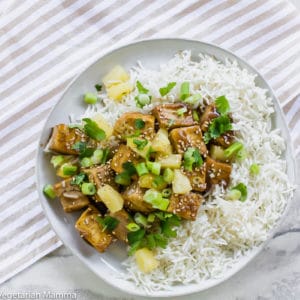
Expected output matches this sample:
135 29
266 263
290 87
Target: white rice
224 230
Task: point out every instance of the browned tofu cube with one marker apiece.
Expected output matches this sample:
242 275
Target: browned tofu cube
63 138
133 199
121 231
123 155
225 140
125 126
169 116
186 206
92 231
210 113
185 137
197 178
70 196
217 172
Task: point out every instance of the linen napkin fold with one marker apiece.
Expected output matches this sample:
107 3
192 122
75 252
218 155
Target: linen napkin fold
44 44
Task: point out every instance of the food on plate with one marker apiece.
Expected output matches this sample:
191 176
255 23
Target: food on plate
180 165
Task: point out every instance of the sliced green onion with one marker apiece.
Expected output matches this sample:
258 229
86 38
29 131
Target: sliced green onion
88 188
142 100
184 90
254 169
166 89
188 159
92 129
105 155
194 99
57 160
139 124
98 87
151 218
242 154
86 162
49 191
166 193
233 149
141 169
141 88
156 199
154 167
151 244
90 98
195 116
158 182
140 219
97 156
123 178
133 227
243 190
233 195
69 170
181 111
168 175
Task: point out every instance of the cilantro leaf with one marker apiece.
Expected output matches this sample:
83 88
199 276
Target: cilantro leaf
139 124
129 168
106 152
82 149
78 179
92 129
140 144
217 127
198 158
141 88
98 87
222 105
135 236
108 223
166 89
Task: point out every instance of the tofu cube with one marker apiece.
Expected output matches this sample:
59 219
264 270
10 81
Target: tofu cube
197 178
70 196
185 137
185 206
210 113
92 231
217 172
121 231
168 115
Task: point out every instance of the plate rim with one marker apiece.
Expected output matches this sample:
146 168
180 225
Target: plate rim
192 287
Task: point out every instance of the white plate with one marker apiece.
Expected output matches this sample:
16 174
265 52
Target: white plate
151 53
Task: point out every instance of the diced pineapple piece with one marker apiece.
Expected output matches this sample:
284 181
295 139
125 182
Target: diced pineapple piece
181 183
142 152
115 76
146 180
111 198
145 260
161 142
217 153
172 161
104 125
117 91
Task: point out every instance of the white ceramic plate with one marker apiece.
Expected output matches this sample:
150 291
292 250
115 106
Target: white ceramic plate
151 53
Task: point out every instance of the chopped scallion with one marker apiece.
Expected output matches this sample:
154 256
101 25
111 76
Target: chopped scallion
181 111
233 149
156 199
133 227
140 219
195 116
243 190
151 218
142 100
108 223
88 188
166 89
184 90
194 99
154 167
139 124
92 129
141 169
140 143
168 175
123 178
254 169
57 160
90 98
69 170
86 162
97 156
233 195
49 191
166 193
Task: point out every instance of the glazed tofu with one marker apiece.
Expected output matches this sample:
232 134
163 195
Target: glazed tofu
63 138
217 172
123 155
197 178
225 140
168 115
121 231
125 126
186 205
185 137
70 196
208 115
100 176
133 199
92 231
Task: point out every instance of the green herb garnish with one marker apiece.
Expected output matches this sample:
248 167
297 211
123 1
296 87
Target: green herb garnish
165 90
78 179
243 189
83 150
192 157
222 105
254 169
139 124
92 129
98 87
141 88
108 223
140 144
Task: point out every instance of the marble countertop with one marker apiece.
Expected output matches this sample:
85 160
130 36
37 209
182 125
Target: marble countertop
273 274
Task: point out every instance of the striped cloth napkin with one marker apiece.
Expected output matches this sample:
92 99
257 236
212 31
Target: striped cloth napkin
44 44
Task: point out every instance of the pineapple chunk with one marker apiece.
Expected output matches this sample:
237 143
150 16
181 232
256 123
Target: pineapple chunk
145 260
115 76
161 142
217 153
142 152
172 161
104 125
117 91
146 181
111 198
181 183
